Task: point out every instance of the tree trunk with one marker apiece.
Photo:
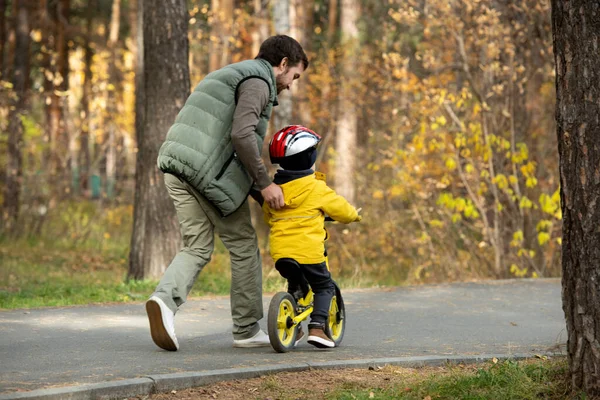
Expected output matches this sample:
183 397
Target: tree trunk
58 46
346 132
2 35
332 23
221 32
281 18
301 18
111 144
261 28
576 30
14 173
161 92
84 138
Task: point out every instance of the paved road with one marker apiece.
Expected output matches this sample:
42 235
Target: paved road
55 347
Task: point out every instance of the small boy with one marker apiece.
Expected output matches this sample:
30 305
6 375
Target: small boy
298 229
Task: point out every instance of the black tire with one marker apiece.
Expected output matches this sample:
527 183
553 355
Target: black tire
282 333
337 317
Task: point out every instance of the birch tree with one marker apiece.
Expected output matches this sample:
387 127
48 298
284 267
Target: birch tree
346 131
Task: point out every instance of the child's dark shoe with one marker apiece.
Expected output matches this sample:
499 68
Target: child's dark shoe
318 338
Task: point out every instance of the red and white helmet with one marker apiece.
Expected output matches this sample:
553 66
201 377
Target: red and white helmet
291 140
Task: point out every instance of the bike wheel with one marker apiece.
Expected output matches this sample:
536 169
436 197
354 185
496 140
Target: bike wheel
337 317
280 322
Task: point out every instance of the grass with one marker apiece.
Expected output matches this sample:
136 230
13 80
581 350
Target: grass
80 257
42 274
536 378
532 379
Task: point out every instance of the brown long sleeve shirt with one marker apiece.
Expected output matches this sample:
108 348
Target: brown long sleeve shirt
253 96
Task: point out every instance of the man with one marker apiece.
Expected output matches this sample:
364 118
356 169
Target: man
211 159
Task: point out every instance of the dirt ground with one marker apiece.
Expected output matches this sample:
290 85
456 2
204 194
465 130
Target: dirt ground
309 385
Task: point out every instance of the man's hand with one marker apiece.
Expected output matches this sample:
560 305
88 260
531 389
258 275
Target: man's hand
273 195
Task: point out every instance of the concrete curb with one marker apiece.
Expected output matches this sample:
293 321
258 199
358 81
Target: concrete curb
179 381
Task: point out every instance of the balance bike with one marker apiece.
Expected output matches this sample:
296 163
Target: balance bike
286 312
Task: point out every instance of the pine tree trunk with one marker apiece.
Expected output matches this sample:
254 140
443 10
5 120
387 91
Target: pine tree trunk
2 36
576 30
14 173
161 92
84 138
346 132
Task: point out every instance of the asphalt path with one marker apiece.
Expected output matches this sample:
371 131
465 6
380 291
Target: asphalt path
55 347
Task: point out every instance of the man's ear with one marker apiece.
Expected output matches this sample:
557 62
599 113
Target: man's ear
283 64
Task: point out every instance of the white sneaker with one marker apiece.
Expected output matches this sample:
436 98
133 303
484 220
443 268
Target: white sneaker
162 324
261 339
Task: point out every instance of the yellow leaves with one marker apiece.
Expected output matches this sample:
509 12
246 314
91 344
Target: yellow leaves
450 163
469 168
525 203
518 272
543 238
378 194
528 169
459 205
551 204
543 225
531 182
500 181
460 141
521 155
517 239
436 223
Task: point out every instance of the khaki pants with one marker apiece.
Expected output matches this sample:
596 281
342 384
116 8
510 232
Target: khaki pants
199 221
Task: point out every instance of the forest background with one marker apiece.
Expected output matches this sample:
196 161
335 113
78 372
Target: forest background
437 119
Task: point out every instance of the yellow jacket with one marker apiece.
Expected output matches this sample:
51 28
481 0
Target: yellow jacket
298 229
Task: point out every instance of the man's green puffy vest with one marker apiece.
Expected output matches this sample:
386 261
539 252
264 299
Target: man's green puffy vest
198 146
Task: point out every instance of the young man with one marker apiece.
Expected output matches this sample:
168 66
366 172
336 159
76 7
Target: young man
211 159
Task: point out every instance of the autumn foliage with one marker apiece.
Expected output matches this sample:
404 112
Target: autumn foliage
455 167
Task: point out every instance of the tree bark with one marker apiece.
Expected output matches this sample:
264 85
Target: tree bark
281 19
576 31
57 81
14 172
347 126
160 95
301 23
111 148
2 36
221 31
84 138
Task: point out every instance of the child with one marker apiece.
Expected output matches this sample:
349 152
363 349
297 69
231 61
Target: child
298 229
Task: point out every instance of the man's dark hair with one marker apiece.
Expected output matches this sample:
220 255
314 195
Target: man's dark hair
276 48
